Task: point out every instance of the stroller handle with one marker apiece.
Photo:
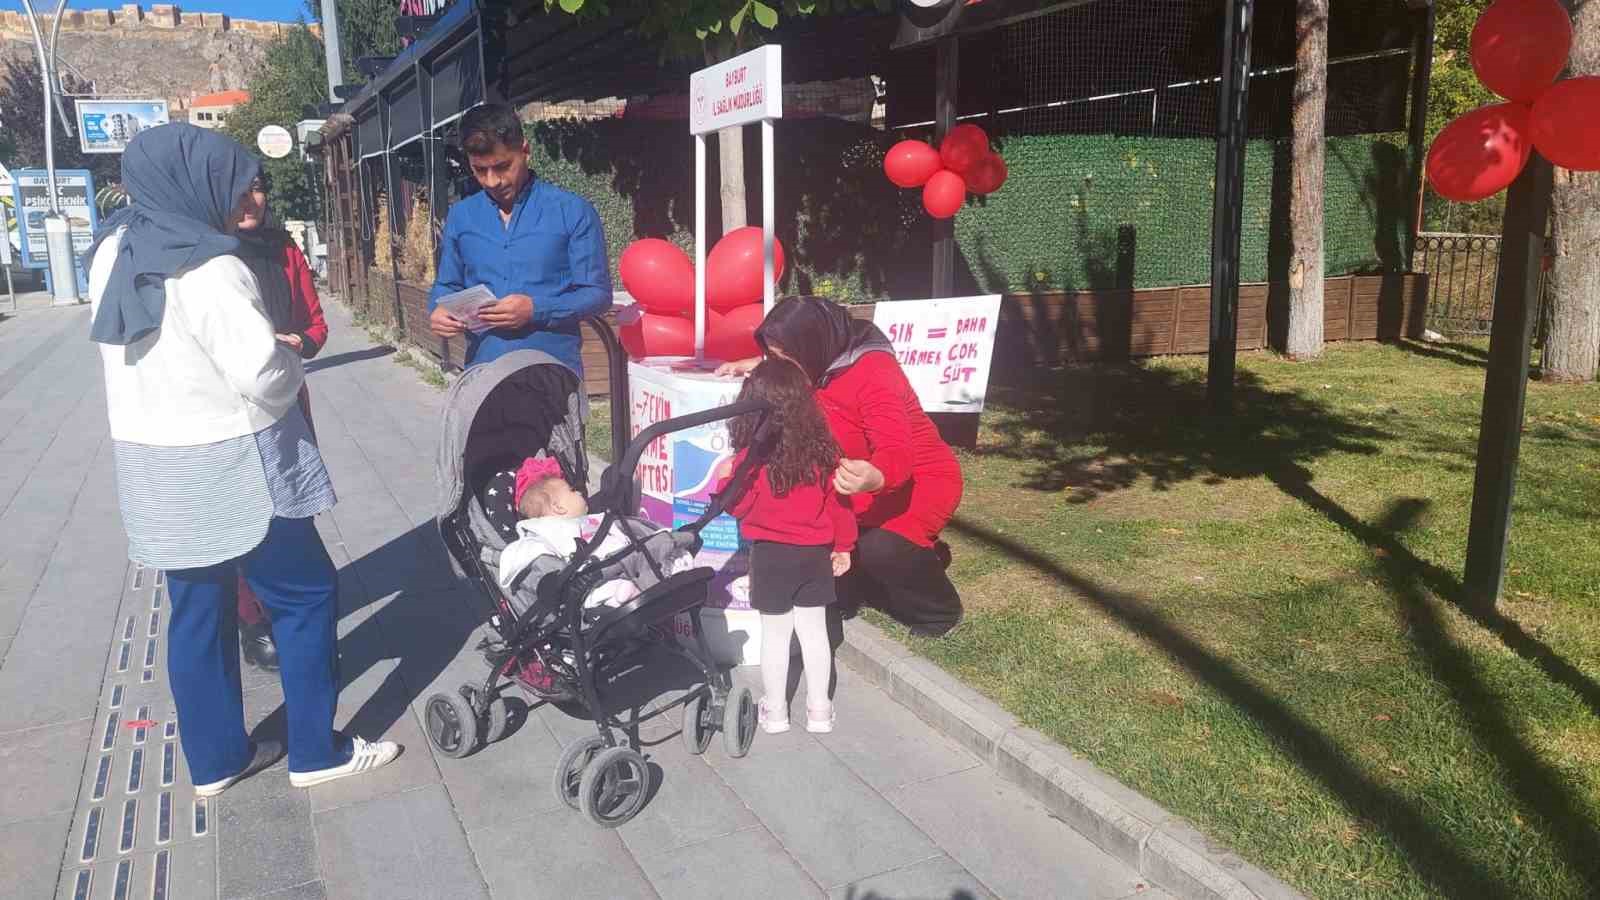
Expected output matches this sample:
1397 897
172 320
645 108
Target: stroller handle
617 484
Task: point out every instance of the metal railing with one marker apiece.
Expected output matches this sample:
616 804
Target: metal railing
1463 270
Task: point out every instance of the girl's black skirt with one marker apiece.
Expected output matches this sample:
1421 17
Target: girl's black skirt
783 576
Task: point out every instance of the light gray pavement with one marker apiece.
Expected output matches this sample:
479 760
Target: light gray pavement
886 808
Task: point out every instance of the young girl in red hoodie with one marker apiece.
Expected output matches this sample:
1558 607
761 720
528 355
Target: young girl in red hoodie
801 536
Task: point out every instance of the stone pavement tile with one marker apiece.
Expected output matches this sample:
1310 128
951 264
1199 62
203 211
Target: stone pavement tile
311 890
557 856
414 769
749 863
837 827
191 872
264 845
30 854
504 782
5 647
42 769
940 878
405 846
870 722
690 804
1012 843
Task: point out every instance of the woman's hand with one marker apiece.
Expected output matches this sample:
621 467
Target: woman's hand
841 564
739 367
293 340
857 476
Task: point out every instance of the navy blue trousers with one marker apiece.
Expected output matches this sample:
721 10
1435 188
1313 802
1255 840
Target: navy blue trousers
297 584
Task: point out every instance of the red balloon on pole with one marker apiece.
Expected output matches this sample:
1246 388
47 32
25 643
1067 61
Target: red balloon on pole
910 164
1480 153
963 147
987 174
944 193
646 334
733 335
733 269
1566 124
1519 47
658 275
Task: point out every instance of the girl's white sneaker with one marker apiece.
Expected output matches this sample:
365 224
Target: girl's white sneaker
773 721
820 721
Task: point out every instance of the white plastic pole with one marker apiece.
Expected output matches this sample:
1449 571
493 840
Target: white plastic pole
699 246
768 214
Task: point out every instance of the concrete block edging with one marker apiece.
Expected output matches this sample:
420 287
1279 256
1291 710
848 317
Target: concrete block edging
1125 824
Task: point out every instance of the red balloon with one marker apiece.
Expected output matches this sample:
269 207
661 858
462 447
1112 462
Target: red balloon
962 147
910 164
1480 153
649 334
658 275
1519 47
733 336
944 193
987 174
1566 124
733 268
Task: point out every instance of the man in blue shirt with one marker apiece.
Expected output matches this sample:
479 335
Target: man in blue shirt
538 248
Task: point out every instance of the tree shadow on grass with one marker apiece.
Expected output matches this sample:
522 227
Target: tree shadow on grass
1464 355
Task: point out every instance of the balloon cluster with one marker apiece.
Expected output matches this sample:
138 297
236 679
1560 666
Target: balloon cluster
962 163
661 280
1519 48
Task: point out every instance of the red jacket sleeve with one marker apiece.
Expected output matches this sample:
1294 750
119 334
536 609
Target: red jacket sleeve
307 305
845 530
881 399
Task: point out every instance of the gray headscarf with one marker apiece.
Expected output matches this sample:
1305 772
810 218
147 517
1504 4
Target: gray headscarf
184 182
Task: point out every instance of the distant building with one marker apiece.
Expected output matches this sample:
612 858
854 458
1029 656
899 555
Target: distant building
212 110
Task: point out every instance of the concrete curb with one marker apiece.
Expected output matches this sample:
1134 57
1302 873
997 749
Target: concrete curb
1124 823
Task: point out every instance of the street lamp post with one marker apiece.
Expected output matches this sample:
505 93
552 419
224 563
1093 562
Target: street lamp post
57 234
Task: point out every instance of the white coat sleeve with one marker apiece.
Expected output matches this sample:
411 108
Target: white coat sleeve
222 306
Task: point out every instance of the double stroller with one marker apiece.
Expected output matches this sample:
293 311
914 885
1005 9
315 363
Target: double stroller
543 640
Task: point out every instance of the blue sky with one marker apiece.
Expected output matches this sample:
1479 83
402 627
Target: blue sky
267 10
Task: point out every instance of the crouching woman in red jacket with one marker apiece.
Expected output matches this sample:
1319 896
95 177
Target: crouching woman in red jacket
899 477
290 296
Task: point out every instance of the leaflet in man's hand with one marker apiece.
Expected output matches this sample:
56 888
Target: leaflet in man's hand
466 305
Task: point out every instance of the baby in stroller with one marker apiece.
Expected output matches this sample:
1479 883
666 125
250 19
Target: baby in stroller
556 520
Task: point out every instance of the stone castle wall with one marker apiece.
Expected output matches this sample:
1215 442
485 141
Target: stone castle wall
161 17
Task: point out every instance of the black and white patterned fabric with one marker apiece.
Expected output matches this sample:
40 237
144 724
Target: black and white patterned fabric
500 504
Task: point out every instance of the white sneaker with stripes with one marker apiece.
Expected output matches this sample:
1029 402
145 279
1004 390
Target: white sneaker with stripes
367 757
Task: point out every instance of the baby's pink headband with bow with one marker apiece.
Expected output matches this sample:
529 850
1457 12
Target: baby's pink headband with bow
533 471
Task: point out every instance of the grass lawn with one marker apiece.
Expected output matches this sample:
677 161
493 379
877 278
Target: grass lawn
1256 622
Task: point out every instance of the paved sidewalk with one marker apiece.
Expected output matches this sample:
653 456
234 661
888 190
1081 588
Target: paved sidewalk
94 802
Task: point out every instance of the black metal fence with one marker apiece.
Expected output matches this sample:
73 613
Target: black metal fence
1463 270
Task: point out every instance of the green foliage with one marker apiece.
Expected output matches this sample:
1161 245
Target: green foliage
366 28
707 29
22 134
1455 90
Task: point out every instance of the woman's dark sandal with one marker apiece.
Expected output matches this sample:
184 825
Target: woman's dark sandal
266 755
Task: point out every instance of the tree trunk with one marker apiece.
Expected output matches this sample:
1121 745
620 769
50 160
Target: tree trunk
1572 344
730 164
1304 340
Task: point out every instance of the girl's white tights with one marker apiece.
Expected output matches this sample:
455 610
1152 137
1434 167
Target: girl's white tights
810 624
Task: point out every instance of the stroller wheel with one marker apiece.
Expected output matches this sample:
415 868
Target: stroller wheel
615 787
575 759
499 720
739 723
697 729
452 725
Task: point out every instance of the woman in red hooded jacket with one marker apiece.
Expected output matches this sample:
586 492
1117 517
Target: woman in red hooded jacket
901 479
290 296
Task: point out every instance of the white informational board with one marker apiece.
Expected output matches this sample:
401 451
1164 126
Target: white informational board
944 346
106 126
274 142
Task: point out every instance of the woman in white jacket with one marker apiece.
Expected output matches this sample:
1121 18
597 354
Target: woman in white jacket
217 471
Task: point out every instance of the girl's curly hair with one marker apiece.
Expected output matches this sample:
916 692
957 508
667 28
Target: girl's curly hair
798 446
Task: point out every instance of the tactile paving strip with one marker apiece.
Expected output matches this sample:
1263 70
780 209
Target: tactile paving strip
139 831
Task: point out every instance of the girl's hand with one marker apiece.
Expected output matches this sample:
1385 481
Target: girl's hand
725 471
841 564
293 340
857 476
739 367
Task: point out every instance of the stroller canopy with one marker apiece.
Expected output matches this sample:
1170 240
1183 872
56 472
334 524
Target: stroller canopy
503 411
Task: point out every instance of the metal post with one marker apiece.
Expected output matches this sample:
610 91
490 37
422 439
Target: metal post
1505 386
1227 203
699 245
330 43
57 233
948 66
768 217
1421 77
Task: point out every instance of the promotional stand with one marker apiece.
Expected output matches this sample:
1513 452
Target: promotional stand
678 475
